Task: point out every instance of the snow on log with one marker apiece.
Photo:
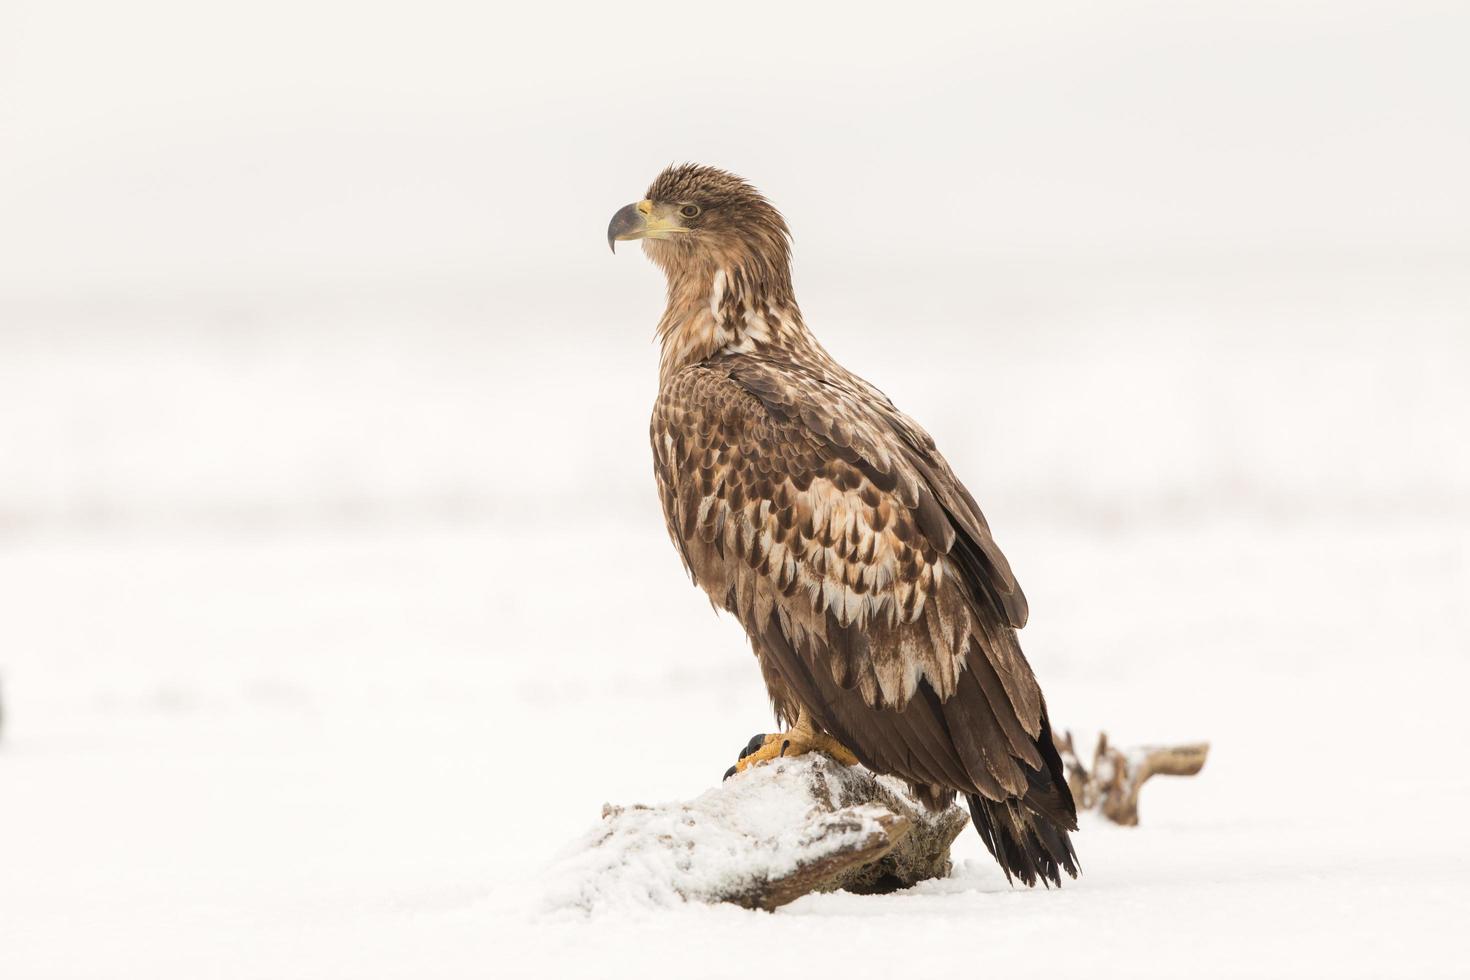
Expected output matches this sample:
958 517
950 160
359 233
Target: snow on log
761 839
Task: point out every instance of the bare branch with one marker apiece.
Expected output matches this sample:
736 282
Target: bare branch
1117 775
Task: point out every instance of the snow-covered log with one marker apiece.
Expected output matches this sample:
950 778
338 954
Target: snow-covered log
793 826
760 840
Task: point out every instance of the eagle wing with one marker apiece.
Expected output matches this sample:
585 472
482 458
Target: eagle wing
864 573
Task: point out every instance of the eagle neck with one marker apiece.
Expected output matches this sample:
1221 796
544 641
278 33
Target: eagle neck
716 310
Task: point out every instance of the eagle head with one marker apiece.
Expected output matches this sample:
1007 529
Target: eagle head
698 217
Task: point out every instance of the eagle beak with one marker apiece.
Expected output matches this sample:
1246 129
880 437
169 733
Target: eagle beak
642 220
629 223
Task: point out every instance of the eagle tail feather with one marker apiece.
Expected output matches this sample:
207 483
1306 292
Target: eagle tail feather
1028 836
1026 844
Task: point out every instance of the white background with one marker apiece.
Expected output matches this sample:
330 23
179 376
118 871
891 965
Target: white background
334 595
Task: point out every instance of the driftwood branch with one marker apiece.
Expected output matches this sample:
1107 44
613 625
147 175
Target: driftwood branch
1112 785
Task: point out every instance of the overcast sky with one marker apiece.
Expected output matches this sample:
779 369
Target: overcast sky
312 143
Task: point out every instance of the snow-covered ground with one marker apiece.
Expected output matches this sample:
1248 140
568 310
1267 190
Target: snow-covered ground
320 643
334 596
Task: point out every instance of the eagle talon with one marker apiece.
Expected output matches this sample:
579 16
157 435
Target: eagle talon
756 741
803 738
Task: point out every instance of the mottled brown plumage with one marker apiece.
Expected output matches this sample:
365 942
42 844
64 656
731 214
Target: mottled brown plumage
808 506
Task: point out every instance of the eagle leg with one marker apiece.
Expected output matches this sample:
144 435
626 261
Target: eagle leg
803 737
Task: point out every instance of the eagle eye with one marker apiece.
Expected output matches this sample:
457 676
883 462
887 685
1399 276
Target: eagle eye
690 210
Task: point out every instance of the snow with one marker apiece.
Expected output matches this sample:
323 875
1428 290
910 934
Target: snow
335 600
755 828
303 738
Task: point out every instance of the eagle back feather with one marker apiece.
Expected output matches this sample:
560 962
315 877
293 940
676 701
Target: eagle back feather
796 493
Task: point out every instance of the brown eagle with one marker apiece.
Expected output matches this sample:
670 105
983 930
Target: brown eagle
881 611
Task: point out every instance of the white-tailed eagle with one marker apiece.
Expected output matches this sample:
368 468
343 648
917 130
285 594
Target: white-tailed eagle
881 611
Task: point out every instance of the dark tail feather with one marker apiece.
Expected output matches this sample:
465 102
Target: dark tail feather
1026 844
1027 836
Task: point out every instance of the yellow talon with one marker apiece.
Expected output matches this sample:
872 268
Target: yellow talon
801 739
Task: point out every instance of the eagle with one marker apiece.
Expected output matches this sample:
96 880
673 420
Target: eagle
881 611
